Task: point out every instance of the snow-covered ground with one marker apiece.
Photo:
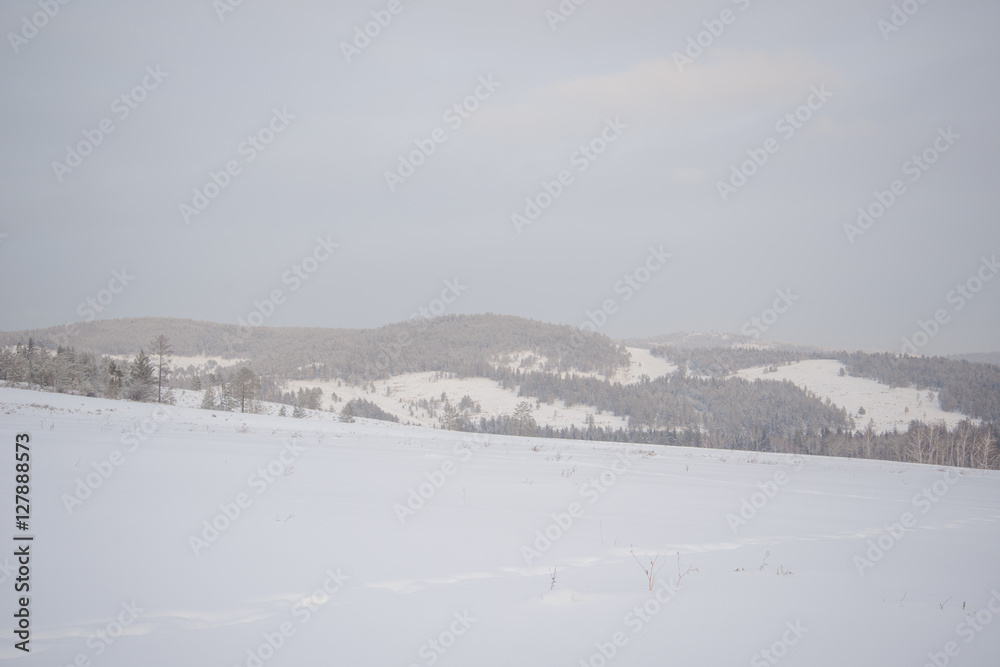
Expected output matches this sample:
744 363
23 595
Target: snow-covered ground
889 407
641 363
493 399
397 394
199 538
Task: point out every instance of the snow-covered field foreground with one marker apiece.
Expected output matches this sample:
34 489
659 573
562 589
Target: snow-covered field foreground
200 538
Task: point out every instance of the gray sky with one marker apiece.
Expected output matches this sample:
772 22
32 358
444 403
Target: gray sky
679 132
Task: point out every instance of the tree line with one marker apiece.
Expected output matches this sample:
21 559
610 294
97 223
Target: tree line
143 378
701 405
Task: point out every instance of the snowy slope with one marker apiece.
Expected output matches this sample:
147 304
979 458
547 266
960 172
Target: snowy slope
641 362
397 394
493 399
452 585
890 408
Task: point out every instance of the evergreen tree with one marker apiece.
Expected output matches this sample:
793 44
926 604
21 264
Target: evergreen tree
453 419
140 378
208 402
162 354
116 379
524 422
227 396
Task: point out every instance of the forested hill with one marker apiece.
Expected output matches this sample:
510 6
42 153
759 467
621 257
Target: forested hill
466 344
979 357
972 388
697 398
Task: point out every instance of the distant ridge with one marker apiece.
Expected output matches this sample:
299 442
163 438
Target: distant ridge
448 343
979 357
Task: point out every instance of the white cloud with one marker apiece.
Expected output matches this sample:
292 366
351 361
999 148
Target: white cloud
655 93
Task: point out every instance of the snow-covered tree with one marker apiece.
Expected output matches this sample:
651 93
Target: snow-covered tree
162 352
140 380
208 401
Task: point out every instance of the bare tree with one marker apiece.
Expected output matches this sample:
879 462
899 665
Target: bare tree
917 442
960 450
868 438
983 446
246 386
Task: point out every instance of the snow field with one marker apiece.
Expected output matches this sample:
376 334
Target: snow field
310 562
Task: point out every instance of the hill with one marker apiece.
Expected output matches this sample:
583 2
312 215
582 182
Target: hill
506 375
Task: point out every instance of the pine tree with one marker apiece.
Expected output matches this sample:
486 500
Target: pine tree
140 378
347 413
208 402
227 397
298 412
523 420
453 419
116 379
162 353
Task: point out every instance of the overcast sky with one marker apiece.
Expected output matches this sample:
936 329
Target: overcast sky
199 80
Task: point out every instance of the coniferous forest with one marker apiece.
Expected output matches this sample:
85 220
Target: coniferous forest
701 405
